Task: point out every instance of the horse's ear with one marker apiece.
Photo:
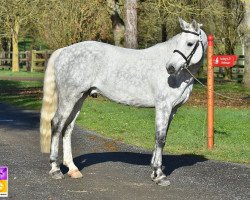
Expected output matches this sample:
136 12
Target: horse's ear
195 25
184 25
200 25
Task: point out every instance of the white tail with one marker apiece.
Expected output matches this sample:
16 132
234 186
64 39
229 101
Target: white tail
49 104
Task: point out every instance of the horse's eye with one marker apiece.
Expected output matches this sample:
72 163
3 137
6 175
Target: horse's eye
190 44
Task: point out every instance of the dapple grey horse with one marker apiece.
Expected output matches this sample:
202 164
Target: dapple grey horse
154 77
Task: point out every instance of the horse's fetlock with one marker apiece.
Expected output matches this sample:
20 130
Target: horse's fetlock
65 163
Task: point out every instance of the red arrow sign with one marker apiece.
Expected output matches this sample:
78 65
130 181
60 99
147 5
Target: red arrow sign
224 60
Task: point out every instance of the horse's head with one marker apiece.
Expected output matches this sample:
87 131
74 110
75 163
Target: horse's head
189 49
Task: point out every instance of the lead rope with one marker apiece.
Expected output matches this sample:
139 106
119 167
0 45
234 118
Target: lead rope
217 93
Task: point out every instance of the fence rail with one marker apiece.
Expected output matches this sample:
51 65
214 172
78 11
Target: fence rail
31 60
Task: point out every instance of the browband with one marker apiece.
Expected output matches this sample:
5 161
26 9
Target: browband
186 31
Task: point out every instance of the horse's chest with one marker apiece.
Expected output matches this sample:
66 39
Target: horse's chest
184 96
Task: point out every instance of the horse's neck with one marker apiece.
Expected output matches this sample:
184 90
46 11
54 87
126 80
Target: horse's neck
164 49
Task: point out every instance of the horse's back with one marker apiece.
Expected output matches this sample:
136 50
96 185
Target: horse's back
123 75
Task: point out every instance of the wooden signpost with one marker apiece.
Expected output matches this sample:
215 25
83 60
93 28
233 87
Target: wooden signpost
214 61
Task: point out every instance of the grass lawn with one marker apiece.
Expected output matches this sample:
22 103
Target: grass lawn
25 94
187 133
21 73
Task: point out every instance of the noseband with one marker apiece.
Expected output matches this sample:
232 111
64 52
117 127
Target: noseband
189 57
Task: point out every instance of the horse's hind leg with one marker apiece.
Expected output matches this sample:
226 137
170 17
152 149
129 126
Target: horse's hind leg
67 150
58 124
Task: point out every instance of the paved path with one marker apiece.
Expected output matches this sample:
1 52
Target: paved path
111 170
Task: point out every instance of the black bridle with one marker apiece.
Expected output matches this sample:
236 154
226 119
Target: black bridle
189 57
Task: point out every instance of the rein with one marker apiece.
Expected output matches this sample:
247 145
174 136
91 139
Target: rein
205 86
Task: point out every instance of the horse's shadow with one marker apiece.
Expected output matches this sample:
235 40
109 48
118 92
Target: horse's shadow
170 162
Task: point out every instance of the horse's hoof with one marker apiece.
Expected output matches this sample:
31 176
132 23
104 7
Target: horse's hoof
57 174
163 182
153 176
75 174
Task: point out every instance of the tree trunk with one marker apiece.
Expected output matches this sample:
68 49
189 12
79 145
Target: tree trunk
131 24
117 22
15 60
228 50
228 72
164 34
246 78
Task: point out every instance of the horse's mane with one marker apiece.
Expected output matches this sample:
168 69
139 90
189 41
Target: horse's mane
169 43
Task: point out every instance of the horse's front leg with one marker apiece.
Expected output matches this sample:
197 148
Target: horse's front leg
164 115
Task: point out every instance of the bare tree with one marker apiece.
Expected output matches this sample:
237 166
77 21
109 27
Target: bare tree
158 19
14 15
233 15
64 22
117 22
131 24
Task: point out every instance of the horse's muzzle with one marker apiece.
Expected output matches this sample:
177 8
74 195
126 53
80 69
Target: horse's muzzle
171 69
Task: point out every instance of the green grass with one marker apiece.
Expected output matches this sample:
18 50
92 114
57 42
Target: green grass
187 133
19 85
15 93
21 73
225 87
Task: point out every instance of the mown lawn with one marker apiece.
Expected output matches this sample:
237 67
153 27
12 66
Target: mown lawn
135 126
21 73
187 133
25 94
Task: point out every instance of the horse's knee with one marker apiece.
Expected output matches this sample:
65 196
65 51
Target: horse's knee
161 140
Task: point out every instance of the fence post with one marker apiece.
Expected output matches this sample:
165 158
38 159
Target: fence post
28 68
210 93
33 60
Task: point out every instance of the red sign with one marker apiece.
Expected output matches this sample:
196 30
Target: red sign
224 60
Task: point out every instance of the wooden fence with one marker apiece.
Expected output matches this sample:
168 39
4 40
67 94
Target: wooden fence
31 60
37 60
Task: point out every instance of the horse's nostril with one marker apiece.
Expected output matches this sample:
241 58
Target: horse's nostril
171 69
